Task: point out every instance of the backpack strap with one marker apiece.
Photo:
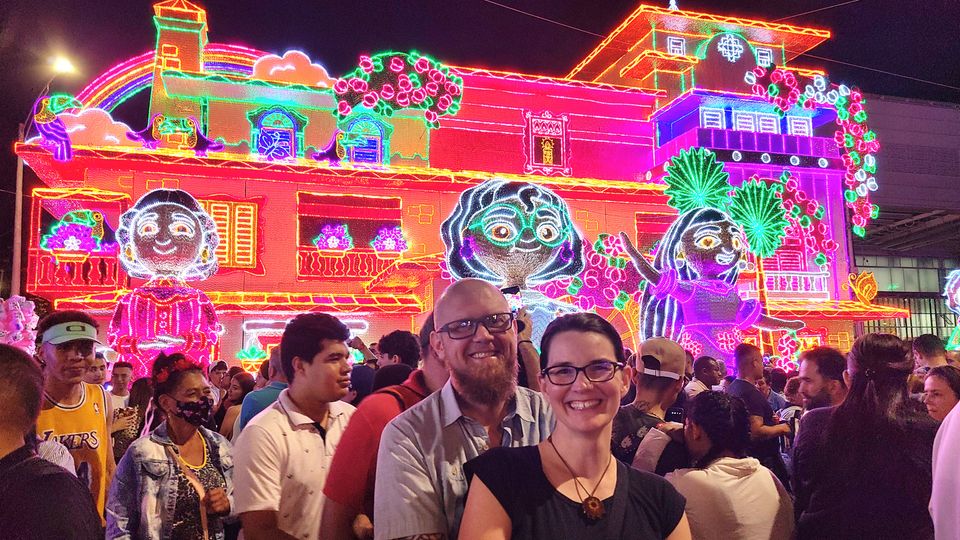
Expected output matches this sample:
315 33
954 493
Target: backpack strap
406 397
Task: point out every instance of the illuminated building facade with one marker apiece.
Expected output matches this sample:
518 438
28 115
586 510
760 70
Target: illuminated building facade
328 193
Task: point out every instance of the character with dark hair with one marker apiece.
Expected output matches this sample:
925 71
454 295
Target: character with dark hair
862 469
514 234
399 347
166 238
941 391
728 491
283 454
928 353
177 482
38 499
821 377
584 380
706 373
240 385
693 296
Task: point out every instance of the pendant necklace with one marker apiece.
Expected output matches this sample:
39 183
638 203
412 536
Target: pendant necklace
592 506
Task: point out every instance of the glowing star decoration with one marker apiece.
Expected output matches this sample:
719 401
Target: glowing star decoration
952 293
514 235
693 285
730 47
857 142
389 239
18 323
251 358
334 237
390 81
695 179
51 127
757 207
166 238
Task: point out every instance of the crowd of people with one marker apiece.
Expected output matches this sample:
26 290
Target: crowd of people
468 430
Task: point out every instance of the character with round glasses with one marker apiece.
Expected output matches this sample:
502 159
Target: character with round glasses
514 235
573 486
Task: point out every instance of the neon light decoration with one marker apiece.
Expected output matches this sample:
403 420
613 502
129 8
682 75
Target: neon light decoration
547 144
952 293
182 131
251 358
51 128
389 239
75 236
166 238
757 207
277 132
18 323
390 81
858 143
608 281
864 286
696 180
730 47
334 238
806 220
514 234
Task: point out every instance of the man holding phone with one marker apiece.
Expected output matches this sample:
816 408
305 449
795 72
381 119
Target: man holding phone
658 376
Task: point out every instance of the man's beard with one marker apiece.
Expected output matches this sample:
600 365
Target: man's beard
818 401
486 385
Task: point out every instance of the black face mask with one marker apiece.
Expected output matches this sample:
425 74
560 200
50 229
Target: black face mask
195 412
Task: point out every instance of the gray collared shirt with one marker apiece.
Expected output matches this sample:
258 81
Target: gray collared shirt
421 487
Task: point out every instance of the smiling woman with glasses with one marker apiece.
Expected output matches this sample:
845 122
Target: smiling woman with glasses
570 486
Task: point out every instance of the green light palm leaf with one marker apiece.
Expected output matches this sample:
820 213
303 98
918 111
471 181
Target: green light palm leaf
696 180
757 208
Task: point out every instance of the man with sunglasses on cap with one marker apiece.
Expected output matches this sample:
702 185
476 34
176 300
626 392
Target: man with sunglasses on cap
421 487
75 413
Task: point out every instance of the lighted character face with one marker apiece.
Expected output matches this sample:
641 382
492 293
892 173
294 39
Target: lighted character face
515 243
166 237
712 248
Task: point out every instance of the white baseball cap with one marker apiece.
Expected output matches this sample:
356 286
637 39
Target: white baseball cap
70 331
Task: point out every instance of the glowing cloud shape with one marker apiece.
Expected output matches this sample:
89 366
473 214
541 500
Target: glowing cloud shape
292 67
95 127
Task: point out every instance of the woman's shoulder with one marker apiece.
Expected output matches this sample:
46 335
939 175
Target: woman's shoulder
215 437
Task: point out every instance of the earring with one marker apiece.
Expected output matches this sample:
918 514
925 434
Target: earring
205 254
128 252
681 259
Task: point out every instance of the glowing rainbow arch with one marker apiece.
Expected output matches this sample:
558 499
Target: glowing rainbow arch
126 79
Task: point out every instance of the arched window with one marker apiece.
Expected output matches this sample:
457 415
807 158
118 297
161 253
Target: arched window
277 133
367 140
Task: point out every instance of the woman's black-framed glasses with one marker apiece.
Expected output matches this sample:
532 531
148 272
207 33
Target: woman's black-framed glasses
600 371
496 323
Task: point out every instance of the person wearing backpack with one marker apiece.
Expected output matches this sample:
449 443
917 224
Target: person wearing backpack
348 512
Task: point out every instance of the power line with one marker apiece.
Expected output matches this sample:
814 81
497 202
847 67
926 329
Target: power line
815 10
892 74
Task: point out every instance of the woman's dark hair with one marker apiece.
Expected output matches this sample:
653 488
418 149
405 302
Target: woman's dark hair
950 374
304 335
580 322
141 392
168 371
246 382
724 418
233 372
879 365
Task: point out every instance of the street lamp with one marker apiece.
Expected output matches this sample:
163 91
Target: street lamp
59 65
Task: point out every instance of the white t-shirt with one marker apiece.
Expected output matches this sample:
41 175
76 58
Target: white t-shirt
735 499
945 499
119 402
281 461
694 387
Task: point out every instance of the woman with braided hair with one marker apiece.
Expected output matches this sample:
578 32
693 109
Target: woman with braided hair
863 469
729 495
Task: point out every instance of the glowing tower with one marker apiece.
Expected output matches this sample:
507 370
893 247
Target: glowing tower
181 38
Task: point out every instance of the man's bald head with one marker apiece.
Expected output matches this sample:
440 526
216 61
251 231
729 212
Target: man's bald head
466 299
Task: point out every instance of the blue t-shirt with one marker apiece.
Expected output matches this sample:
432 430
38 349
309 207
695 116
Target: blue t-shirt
258 400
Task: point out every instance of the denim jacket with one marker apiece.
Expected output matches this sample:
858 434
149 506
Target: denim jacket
143 493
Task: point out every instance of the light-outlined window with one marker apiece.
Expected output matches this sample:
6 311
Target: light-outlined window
800 126
676 45
712 118
744 121
768 123
764 56
237 226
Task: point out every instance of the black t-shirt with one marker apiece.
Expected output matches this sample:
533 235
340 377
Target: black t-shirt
880 494
40 500
630 426
757 405
644 506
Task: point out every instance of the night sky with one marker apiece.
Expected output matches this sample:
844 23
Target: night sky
907 37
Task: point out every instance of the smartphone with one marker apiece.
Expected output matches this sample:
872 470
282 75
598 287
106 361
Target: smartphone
674 414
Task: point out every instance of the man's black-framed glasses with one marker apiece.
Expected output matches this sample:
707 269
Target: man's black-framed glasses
496 323
600 371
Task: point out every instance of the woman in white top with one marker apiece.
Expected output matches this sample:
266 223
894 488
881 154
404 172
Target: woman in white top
729 495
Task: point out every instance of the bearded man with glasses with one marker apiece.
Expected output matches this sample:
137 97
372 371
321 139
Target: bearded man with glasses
421 487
